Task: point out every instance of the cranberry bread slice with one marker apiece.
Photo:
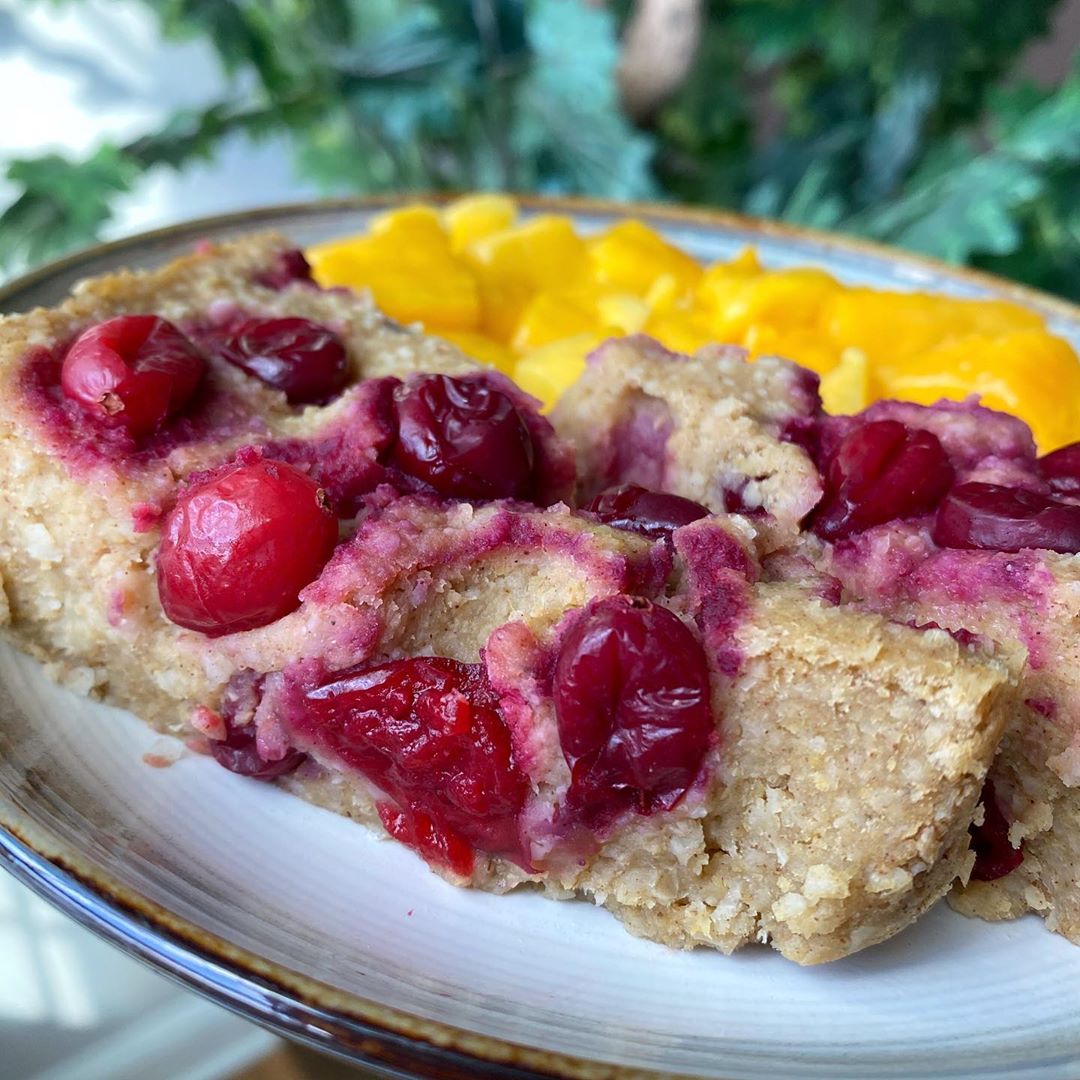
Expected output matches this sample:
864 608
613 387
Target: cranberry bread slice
819 802
1026 601
82 502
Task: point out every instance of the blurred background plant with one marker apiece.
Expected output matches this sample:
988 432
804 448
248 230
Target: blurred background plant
900 120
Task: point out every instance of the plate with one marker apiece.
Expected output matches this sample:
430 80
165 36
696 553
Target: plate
309 925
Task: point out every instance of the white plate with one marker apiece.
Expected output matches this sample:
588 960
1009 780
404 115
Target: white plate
308 924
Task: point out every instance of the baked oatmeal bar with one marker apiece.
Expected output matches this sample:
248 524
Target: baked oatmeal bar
338 555
938 516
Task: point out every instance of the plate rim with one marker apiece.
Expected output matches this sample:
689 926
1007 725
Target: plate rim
301 1008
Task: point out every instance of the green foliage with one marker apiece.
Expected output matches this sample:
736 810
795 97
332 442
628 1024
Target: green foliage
894 119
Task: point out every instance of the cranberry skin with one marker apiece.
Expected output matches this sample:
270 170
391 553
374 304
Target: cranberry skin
654 514
134 371
994 855
881 471
631 689
238 547
997 518
1061 469
428 731
289 267
304 360
238 752
464 438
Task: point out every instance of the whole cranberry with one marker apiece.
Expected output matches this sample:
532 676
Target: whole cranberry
1061 469
238 546
301 358
289 266
239 753
881 471
427 731
134 371
654 514
463 437
994 854
997 518
632 700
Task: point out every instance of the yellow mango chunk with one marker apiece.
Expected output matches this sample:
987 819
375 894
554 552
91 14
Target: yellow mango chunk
805 347
624 313
846 389
423 285
630 257
786 298
510 266
473 217
550 370
416 223
1029 373
680 332
549 316
480 347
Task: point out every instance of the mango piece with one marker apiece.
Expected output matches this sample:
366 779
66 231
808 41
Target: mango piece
785 298
630 257
623 312
681 332
417 285
473 217
806 347
482 348
510 266
415 223
550 370
846 389
549 316
1028 373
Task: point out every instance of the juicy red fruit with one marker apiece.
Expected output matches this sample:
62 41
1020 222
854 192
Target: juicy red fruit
464 438
994 854
239 546
134 371
1061 469
304 360
428 731
881 471
632 699
654 514
997 518
239 753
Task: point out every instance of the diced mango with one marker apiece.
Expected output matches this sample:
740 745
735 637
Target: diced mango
416 223
549 316
424 286
542 254
550 370
630 257
784 298
480 347
533 298
473 217
623 312
846 389
1029 373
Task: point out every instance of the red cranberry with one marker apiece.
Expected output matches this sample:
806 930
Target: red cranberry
994 855
996 518
654 514
632 699
238 547
881 471
1061 469
464 438
239 753
134 371
304 360
289 267
429 733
